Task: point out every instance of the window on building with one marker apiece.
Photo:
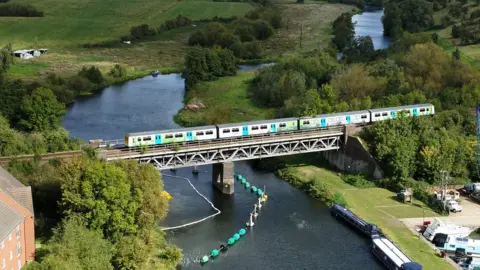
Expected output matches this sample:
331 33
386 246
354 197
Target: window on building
3 263
11 255
19 249
2 245
18 232
9 237
19 264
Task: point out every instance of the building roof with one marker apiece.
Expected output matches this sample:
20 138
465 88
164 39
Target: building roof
16 190
9 219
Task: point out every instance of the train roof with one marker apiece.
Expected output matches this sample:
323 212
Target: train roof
257 122
343 113
391 250
170 130
401 107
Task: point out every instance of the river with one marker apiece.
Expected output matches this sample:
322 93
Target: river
293 231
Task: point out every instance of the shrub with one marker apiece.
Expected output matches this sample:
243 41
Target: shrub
19 10
118 71
93 74
358 180
142 31
262 30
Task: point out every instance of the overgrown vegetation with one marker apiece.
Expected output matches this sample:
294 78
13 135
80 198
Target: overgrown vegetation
104 215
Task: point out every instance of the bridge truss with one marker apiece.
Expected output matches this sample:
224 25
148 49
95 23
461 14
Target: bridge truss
229 150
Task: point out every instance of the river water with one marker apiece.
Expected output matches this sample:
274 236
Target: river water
292 231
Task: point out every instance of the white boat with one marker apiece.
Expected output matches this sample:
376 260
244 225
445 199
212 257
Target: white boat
452 230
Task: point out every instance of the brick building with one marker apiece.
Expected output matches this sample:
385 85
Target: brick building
17 236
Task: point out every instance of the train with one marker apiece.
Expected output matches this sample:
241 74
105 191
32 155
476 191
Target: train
273 126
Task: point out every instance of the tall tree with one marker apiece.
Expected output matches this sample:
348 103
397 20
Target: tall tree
41 111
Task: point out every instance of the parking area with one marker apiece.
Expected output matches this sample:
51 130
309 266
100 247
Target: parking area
470 216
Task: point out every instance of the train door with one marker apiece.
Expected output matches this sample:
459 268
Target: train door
323 122
245 131
189 136
273 128
392 114
158 139
349 120
415 112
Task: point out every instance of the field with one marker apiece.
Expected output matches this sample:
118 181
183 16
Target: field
470 53
68 24
312 19
226 101
379 206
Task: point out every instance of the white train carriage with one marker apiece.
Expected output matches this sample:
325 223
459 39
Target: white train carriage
159 137
410 110
257 127
344 118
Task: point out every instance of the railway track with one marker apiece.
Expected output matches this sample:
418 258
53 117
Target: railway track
43 157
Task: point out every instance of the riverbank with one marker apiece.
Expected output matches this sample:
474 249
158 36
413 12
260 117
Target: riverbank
376 205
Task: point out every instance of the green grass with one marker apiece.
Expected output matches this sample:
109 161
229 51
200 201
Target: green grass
379 206
68 22
226 101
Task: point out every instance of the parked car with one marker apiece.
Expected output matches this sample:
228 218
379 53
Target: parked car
404 196
453 206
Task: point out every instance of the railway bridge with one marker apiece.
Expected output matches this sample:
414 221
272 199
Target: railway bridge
223 152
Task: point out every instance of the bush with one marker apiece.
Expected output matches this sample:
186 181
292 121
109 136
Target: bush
142 31
19 10
180 21
475 14
118 71
93 74
262 30
358 180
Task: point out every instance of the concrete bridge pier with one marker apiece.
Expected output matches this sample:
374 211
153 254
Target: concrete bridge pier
222 177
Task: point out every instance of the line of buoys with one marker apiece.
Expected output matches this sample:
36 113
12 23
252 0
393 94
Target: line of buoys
262 197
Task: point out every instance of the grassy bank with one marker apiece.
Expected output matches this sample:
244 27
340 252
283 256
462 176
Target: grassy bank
376 205
226 100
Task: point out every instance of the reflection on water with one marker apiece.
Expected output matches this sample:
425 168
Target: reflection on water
369 23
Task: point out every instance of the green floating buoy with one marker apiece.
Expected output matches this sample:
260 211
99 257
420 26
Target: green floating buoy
236 236
204 259
259 192
254 189
214 253
247 185
244 181
242 232
231 241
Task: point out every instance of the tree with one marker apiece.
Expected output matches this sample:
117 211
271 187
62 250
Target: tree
41 111
456 54
92 73
262 30
118 71
73 246
355 82
6 60
359 50
101 194
343 31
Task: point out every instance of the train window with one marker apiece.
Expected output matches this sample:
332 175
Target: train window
364 116
384 114
255 128
306 122
283 125
377 115
226 130
147 138
178 135
428 109
210 132
169 136
235 130
200 133
422 109
263 127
